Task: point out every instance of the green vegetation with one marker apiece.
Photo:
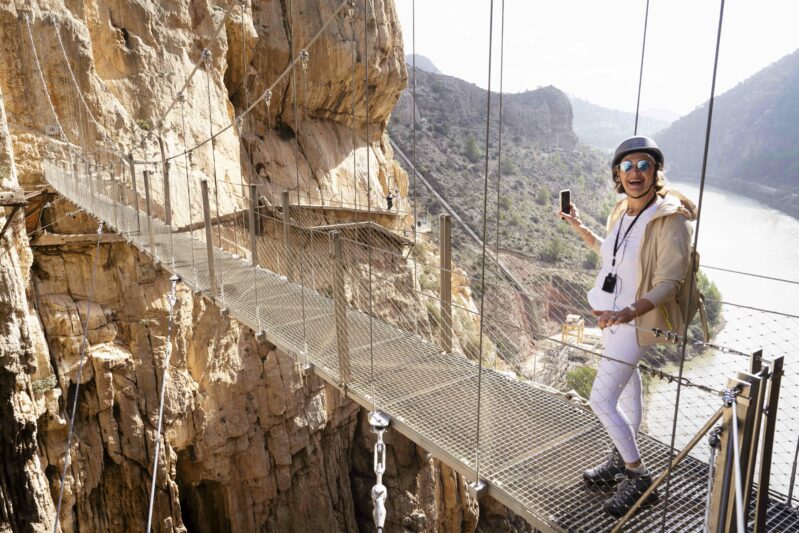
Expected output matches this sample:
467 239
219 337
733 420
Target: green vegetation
145 125
508 167
470 149
543 196
581 379
712 299
552 251
591 260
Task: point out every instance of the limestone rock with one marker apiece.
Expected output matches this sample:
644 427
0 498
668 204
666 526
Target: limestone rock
249 442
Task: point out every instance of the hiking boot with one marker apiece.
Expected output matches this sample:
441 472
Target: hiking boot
631 488
604 475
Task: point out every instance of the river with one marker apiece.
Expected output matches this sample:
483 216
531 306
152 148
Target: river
740 234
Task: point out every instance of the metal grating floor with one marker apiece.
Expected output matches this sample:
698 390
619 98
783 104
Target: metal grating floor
533 445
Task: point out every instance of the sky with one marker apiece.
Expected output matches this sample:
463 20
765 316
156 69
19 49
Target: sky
592 48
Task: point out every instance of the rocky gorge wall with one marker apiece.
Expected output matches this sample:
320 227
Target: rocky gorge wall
250 442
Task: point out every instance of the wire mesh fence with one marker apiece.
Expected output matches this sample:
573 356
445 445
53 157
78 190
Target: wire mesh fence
364 303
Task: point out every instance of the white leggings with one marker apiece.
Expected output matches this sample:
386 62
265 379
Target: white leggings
616 395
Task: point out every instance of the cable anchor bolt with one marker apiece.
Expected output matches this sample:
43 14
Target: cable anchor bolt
268 97
729 396
714 437
304 58
478 489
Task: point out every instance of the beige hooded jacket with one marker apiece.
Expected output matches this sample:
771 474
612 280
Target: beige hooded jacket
664 262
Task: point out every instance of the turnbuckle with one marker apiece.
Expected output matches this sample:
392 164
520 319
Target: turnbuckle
379 422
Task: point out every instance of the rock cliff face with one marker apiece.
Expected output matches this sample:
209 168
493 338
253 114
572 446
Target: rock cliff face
130 60
26 502
250 441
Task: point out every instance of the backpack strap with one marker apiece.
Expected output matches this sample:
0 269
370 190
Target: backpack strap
703 317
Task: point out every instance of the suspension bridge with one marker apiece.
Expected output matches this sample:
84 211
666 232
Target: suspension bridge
308 290
532 446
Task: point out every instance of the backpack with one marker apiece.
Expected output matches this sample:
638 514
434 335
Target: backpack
690 293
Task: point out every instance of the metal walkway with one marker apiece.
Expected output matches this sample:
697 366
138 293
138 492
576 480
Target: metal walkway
533 445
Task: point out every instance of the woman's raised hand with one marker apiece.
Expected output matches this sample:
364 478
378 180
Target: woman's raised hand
573 218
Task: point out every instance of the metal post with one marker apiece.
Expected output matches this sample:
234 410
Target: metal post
755 368
287 234
722 506
767 445
167 193
90 180
149 213
445 279
253 222
123 198
75 174
105 196
135 192
340 299
114 197
120 199
209 245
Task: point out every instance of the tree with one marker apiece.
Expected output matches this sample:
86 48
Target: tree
553 250
507 167
591 260
470 149
543 195
712 298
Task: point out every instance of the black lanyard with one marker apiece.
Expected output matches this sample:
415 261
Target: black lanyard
616 244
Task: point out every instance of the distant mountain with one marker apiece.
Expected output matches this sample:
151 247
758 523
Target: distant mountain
603 128
422 63
540 156
754 141
666 115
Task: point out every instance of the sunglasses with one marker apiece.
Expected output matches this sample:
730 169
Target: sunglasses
642 165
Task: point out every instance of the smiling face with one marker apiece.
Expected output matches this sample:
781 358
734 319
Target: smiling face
635 181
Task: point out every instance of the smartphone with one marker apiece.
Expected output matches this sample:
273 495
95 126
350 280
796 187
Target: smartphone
565 200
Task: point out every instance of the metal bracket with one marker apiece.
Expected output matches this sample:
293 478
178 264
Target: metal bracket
379 421
478 489
9 219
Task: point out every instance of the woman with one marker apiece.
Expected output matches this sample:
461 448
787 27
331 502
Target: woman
645 258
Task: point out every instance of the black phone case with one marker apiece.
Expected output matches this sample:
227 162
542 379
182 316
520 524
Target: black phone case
565 200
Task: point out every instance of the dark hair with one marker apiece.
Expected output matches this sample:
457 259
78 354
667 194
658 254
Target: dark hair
660 179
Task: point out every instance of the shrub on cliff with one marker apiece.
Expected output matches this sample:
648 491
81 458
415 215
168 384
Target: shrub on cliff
580 380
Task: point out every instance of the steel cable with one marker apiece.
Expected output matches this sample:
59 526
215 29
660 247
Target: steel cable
78 378
483 260
641 70
693 258
164 379
297 174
